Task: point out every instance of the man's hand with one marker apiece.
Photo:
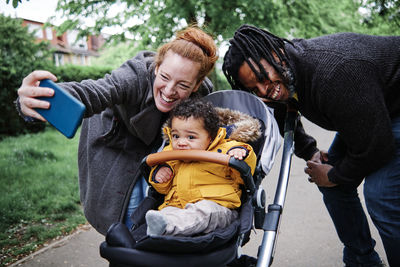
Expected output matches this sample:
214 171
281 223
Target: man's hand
318 173
320 157
163 175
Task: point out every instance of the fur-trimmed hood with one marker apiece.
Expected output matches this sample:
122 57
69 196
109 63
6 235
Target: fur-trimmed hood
239 126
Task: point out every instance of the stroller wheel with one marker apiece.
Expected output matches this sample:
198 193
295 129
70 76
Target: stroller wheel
243 261
259 198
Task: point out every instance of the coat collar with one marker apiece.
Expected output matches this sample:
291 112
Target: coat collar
144 123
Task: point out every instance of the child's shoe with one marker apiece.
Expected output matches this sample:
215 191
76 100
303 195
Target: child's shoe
156 223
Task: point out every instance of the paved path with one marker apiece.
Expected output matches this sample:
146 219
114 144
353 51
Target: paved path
306 237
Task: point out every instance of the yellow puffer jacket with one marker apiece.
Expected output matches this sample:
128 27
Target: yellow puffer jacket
195 181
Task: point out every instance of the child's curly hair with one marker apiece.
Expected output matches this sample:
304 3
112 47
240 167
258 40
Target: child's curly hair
199 109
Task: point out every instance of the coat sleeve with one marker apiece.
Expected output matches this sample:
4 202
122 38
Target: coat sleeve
162 188
354 103
125 85
305 146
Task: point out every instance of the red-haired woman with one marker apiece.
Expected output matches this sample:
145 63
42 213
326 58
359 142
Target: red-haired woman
124 114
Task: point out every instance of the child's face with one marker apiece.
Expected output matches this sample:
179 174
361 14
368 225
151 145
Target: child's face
189 134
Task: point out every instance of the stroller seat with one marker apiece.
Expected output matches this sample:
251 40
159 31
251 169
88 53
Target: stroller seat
132 247
125 248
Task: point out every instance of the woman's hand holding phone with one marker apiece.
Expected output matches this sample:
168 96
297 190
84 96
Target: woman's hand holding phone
30 90
41 98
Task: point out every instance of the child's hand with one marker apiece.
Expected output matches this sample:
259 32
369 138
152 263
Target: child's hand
163 175
238 153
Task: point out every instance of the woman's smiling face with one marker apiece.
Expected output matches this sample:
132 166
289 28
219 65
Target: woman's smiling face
176 78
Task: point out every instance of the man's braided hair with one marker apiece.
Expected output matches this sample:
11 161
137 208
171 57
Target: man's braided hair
252 43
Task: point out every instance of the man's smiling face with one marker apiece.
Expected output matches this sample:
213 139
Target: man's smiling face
273 88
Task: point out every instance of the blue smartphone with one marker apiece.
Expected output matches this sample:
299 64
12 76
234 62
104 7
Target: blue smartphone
65 112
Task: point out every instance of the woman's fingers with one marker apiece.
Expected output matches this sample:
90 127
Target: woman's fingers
35 91
30 90
30 84
28 104
34 77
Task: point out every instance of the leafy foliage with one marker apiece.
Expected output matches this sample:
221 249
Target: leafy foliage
14 2
152 22
385 13
19 55
155 21
306 19
114 54
68 73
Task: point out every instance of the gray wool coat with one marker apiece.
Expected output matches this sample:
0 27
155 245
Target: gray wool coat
121 126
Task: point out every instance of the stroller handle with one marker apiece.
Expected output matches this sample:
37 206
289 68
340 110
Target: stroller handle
193 155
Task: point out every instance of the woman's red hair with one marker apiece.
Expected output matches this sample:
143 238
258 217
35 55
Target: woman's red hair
194 44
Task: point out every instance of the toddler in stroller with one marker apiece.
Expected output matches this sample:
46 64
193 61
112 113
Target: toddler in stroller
124 247
199 196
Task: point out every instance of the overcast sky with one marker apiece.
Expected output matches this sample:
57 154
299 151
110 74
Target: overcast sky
42 10
38 10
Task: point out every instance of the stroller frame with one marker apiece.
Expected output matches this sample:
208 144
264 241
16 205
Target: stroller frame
268 221
272 217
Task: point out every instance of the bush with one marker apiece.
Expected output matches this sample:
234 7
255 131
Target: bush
19 55
76 73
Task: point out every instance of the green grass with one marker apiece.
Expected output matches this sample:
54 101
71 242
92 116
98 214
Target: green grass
39 194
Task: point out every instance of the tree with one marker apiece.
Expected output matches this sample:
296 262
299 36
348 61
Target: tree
155 21
382 16
15 2
19 55
114 54
306 19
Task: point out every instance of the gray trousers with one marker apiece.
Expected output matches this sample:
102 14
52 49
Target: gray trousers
201 217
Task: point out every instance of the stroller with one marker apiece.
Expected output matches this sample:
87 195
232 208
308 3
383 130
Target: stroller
222 247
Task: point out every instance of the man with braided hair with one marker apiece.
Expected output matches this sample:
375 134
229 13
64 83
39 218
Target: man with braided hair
348 83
